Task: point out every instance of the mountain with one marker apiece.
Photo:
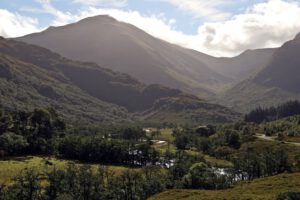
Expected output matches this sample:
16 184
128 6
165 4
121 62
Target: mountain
242 66
125 48
187 110
277 82
31 76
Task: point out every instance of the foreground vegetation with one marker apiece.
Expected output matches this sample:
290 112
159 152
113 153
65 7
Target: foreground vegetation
260 189
149 160
15 166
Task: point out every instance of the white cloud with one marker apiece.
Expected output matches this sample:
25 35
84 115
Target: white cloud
156 25
61 18
267 24
14 24
210 10
115 3
263 25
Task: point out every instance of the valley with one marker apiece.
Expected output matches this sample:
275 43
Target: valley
242 83
110 103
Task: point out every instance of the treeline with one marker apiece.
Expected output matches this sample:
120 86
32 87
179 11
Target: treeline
208 139
289 127
43 132
85 183
30 132
287 109
109 151
255 163
231 142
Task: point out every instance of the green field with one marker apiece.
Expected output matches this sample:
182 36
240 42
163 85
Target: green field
12 167
166 135
259 189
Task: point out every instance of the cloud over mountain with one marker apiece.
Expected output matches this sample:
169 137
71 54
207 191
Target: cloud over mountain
262 25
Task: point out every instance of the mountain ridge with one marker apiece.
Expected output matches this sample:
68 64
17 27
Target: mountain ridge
274 83
123 47
139 54
80 89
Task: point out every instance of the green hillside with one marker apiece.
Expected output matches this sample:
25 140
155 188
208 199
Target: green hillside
32 76
273 83
260 189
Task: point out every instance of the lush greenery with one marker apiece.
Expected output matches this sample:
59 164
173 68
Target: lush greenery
31 76
30 132
287 109
85 183
187 158
286 129
11 167
270 188
43 132
233 143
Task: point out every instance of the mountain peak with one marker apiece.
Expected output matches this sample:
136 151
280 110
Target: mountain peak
127 49
51 27
99 18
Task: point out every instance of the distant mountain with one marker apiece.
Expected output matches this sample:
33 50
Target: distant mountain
187 110
242 66
125 48
275 83
31 76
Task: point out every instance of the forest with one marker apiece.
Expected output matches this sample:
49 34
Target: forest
182 164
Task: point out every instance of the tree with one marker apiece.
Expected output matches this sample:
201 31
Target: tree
289 196
182 141
200 176
25 187
233 139
206 131
13 144
6 122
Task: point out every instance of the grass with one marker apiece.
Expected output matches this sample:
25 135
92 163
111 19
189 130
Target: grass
295 139
166 135
260 145
162 148
259 189
218 162
14 166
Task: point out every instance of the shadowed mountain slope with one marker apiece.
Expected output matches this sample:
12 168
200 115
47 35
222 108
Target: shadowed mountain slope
33 76
275 83
125 48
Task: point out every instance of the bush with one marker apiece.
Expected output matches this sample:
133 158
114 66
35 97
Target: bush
289 196
12 143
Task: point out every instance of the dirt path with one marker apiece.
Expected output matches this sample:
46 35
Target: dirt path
269 138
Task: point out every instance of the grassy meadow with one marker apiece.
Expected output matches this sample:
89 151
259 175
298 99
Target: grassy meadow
12 167
260 189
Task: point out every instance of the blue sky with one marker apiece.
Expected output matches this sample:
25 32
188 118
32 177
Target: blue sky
216 27
186 20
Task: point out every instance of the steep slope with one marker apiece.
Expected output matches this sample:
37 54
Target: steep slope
284 68
125 48
242 66
188 110
277 82
27 86
32 76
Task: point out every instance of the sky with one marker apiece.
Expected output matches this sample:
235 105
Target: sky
215 27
